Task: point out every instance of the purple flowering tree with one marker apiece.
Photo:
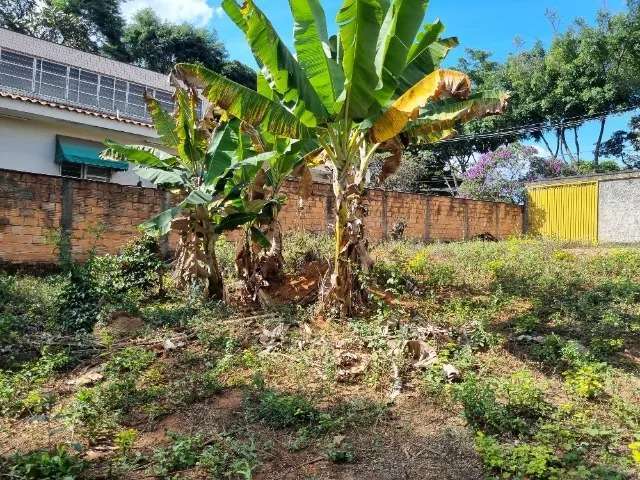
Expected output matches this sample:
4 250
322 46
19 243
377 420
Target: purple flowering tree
500 175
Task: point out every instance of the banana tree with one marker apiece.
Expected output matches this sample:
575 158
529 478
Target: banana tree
259 260
203 164
372 87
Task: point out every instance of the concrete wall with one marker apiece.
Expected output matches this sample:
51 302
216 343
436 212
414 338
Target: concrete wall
619 211
33 207
29 145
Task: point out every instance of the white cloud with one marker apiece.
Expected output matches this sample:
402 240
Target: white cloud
218 12
197 12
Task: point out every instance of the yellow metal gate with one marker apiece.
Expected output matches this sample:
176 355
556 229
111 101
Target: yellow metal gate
565 212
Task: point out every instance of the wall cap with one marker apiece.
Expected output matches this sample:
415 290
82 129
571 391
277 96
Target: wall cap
592 177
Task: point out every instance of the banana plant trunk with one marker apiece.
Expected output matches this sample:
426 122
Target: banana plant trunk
260 269
196 260
351 258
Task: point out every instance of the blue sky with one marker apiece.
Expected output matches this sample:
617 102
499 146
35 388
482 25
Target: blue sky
488 25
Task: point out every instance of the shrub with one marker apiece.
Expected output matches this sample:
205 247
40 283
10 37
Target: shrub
183 453
107 283
27 307
519 407
525 461
391 277
342 454
226 255
526 324
482 409
140 264
132 360
124 441
225 457
301 247
229 457
523 397
90 415
57 464
282 410
587 380
20 391
431 273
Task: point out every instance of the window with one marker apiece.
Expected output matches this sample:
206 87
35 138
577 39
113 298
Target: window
88 172
97 173
71 170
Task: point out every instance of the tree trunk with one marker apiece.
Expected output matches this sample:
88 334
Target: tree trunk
214 289
260 269
566 146
196 260
577 141
596 153
546 143
351 251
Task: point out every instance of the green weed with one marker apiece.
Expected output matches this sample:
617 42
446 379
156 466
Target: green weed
57 464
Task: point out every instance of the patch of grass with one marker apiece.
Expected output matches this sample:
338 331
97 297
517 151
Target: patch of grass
342 454
282 410
20 391
223 457
57 464
130 360
183 453
229 457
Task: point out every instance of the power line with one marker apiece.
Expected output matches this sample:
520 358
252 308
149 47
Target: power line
537 127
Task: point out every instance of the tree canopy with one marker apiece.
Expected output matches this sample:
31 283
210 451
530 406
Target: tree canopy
158 45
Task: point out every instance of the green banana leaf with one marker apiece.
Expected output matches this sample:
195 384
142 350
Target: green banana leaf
359 23
397 34
159 176
244 103
311 41
138 154
163 122
279 66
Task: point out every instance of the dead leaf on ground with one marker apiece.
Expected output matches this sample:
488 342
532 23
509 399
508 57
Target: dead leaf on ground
351 366
88 378
420 353
451 373
275 337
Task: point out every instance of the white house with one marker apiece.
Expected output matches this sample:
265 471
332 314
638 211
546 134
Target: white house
58 105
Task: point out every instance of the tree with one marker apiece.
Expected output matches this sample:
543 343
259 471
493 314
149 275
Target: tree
420 171
366 90
625 145
239 73
259 260
159 45
97 26
204 162
87 25
500 175
19 15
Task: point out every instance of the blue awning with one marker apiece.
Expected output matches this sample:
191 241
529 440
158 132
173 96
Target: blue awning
73 150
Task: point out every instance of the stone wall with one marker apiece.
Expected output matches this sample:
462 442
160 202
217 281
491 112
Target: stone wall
105 216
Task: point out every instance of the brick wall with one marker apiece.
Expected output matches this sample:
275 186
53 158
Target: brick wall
33 207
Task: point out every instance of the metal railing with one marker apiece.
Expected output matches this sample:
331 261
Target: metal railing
53 81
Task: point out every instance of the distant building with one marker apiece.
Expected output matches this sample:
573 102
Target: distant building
58 105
